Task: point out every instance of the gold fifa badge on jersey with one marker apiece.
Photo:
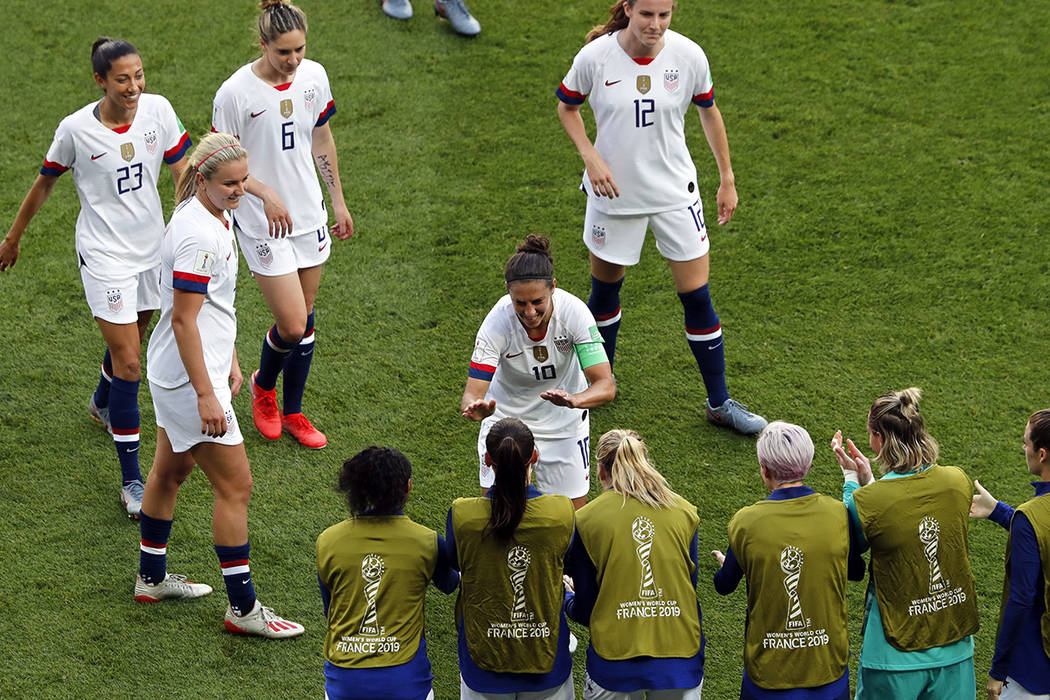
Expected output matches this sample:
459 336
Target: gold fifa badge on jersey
539 352
644 84
127 151
286 108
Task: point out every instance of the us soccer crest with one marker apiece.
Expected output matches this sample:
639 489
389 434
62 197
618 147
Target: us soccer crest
540 353
671 80
286 108
114 299
563 343
127 151
308 97
151 141
264 253
644 83
598 235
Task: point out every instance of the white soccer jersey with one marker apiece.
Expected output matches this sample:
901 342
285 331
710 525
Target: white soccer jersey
275 125
198 254
520 368
115 172
639 110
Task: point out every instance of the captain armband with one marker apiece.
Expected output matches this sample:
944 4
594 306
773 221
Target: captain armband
590 354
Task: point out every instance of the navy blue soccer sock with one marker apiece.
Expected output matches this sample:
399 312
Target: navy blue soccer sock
703 330
238 577
104 379
124 422
605 307
153 549
275 352
297 369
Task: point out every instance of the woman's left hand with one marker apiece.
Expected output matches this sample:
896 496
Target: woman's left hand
559 397
851 459
727 202
236 377
719 557
343 227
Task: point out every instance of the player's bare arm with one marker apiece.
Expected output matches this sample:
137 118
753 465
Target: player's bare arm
323 149
598 172
473 404
35 199
715 131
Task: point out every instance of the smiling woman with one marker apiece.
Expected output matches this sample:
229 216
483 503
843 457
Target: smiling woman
115 148
538 357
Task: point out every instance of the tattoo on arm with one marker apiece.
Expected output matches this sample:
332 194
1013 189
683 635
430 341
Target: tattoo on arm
325 168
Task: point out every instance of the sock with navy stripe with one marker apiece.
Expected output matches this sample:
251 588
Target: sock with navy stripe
124 422
703 331
275 353
604 304
104 379
297 369
238 577
153 549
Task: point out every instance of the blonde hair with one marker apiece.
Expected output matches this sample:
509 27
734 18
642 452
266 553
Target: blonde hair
279 17
624 456
213 150
906 446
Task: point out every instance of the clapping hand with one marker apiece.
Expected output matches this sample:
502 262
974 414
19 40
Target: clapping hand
851 460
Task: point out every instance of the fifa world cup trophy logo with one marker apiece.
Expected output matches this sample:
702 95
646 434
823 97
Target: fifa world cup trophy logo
642 530
518 559
372 569
791 565
929 535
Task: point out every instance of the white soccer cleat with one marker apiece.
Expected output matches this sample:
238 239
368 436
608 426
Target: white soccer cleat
131 497
262 622
734 415
173 586
398 9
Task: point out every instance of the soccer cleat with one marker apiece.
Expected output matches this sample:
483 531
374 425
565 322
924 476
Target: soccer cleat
99 415
457 14
131 498
398 9
173 586
735 415
296 425
262 621
265 414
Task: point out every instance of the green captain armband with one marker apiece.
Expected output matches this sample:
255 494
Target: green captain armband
590 354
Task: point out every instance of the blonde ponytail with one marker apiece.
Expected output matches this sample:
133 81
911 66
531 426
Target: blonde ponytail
906 446
624 456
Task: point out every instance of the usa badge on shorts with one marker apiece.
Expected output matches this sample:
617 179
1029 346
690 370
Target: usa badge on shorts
114 299
598 235
563 343
127 151
671 80
540 353
644 83
286 108
151 141
264 253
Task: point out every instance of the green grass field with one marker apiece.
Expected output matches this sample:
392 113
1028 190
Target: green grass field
891 160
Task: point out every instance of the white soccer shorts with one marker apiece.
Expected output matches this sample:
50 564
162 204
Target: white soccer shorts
273 257
120 299
680 234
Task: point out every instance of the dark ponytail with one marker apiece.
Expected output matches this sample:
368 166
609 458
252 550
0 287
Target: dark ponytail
105 50
509 445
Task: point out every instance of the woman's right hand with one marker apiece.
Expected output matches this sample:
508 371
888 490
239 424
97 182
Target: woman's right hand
479 409
8 252
213 418
719 557
279 221
983 502
602 182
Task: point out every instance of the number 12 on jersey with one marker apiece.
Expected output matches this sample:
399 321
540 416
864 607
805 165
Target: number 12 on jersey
643 113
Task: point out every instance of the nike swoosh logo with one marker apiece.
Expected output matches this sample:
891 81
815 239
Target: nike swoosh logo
245 582
321 247
255 114
713 347
509 356
228 256
134 450
99 155
612 82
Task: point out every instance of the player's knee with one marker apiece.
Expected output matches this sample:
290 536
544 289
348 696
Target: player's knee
127 368
292 332
698 302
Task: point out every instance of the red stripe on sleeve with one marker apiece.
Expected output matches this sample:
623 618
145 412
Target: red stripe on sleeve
191 277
